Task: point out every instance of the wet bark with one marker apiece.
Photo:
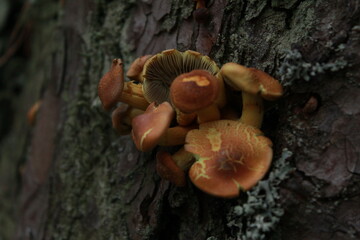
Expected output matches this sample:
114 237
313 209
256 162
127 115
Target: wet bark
72 177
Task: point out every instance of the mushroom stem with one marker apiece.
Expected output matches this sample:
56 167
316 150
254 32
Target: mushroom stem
183 159
173 167
200 4
208 114
253 110
175 136
133 95
122 117
221 99
184 119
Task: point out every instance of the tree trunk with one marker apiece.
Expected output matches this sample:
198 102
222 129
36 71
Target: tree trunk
70 176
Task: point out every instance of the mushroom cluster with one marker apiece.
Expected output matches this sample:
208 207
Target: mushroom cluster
180 99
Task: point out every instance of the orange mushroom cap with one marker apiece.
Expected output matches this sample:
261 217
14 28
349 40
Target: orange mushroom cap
167 169
111 85
149 127
193 91
231 156
251 80
136 68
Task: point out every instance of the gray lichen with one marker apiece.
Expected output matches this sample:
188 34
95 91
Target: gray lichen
294 67
260 213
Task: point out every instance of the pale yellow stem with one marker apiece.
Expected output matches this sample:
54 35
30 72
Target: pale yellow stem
175 136
184 119
183 159
253 110
133 95
208 114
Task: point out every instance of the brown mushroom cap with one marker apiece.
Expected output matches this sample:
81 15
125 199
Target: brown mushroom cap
193 91
161 70
251 80
111 85
231 156
167 169
149 127
135 69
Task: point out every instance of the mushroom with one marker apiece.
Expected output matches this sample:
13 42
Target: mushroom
152 128
230 156
254 84
201 13
111 89
135 70
151 125
161 70
196 92
32 112
173 167
122 117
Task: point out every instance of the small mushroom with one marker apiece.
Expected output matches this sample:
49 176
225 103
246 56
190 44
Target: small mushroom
122 117
196 92
201 13
135 70
173 167
255 85
150 126
32 112
111 89
230 156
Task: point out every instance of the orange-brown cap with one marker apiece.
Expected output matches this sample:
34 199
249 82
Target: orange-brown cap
135 70
149 127
111 85
195 90
251 80
167 169
231 156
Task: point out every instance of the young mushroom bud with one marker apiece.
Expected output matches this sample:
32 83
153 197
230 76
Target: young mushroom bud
201 13
32 112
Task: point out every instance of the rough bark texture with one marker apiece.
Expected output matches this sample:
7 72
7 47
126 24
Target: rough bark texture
79 180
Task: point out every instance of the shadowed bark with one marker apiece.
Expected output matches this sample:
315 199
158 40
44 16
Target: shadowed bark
71 177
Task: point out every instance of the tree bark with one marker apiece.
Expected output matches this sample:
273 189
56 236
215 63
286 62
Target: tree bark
72 177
